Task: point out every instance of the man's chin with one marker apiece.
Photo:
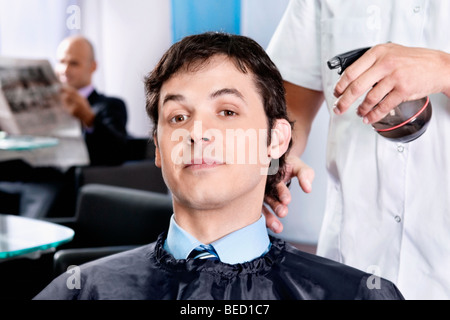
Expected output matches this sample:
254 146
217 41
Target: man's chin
203 201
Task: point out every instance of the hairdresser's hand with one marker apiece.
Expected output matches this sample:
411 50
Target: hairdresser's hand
295 167
400 74
77 105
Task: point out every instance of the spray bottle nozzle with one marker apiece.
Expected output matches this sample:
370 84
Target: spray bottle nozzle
342 61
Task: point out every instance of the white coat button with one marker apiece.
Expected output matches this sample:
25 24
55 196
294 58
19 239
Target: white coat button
398 219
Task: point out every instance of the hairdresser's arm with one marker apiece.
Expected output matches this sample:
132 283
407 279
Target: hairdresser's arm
400 74
303 105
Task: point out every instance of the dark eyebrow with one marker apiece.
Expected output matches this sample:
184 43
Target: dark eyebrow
173 97
226 91
215 94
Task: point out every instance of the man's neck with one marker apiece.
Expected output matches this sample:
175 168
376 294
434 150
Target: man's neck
208 225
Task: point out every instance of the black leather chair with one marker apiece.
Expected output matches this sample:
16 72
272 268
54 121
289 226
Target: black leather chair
139 149
137 172
111 219
140 175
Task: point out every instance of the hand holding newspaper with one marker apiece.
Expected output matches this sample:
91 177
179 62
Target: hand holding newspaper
31 108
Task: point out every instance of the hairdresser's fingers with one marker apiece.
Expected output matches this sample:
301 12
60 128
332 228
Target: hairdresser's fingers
272 222
354 71
278 208
304 173
358 87
383 108
284 194
374 97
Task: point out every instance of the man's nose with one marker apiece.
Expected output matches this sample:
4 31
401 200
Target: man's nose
198 138
199 134
193 141
63 68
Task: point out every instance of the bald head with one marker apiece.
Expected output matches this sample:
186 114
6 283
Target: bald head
76 61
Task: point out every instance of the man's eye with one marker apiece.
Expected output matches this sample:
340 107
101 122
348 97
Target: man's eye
227 113
179 118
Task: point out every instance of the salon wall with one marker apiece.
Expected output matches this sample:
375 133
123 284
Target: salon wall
130 37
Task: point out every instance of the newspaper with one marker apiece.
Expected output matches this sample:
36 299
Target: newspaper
31 107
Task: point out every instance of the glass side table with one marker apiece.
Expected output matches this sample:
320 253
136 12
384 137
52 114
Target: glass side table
26 237
25 142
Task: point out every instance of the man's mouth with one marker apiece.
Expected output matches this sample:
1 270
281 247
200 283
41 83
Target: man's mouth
203 163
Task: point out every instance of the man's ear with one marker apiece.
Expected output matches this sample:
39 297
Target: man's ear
157 153
93 66
281 134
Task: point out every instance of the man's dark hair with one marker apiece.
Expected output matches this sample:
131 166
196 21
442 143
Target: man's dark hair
195 51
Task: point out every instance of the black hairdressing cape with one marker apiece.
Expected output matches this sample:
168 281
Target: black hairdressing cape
149 272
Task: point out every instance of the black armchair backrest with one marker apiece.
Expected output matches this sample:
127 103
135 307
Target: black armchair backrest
141 175
112 216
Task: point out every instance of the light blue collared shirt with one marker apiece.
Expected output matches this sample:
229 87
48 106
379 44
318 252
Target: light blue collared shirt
239 246
86 91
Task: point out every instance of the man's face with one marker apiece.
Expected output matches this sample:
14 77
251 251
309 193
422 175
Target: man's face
212 135
75 64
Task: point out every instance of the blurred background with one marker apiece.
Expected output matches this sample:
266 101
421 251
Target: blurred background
130 36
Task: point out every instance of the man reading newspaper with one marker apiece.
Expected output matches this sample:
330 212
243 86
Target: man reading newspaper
51 123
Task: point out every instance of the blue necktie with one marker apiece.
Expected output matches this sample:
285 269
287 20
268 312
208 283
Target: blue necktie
204 252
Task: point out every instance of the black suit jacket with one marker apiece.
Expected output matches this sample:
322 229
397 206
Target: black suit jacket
106 140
